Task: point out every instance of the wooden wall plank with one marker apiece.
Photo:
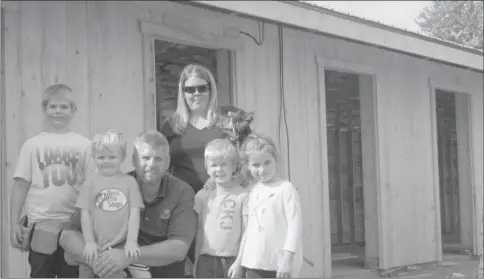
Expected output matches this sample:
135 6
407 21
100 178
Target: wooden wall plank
76 67
3 160
114 47
313 188
32 70
16 261
297 122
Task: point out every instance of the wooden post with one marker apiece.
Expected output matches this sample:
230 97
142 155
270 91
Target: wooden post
464 173
369 164
2 155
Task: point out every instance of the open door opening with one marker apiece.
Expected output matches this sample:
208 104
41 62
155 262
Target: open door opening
454 165
350 153
171 58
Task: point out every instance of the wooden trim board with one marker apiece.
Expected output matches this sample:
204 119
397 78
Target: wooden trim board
459 89
3 161
325 214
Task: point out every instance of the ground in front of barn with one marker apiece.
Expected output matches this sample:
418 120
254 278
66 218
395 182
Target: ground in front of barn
452 266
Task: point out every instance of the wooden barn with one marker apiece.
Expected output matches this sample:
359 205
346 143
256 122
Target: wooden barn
380 129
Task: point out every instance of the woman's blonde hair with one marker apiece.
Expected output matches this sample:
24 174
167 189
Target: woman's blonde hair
180 118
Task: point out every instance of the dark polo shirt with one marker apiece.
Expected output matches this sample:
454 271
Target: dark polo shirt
169 216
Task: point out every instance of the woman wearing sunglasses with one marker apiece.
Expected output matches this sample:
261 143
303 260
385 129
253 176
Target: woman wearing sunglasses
191 127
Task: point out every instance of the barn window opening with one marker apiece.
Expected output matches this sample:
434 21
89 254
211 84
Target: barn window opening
171 58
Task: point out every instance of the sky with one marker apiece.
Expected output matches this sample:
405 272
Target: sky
400 14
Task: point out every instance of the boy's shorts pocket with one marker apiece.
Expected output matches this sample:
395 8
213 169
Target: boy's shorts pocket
45 237
26 234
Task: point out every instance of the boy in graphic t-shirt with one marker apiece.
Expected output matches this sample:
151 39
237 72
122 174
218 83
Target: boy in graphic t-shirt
110 201
50 170
222 213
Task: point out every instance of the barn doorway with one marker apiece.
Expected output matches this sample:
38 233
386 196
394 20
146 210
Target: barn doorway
349 112
454 168
171 58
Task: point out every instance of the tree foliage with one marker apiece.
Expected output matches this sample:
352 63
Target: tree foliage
456 21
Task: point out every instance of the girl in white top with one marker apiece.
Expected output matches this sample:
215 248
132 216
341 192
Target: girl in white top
271 246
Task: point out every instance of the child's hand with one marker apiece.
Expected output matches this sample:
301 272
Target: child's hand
189 268
285 265
90 251
131 250
284 270
236 270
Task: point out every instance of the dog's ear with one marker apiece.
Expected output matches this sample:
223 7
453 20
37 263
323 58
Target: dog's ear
249 117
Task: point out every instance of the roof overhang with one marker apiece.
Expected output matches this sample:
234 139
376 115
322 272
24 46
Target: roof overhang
299 15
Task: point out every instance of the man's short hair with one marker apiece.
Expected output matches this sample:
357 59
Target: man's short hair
154 139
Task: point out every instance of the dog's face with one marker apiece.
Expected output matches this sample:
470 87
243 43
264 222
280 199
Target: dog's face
235 123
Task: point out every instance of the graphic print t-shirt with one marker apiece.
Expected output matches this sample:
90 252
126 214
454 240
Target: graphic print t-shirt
56 165
109 200
222 212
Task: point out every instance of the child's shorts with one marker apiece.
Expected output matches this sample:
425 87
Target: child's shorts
46 257
209 266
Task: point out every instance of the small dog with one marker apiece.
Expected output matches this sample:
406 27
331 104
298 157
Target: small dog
235 123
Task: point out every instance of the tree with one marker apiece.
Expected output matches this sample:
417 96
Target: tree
454 21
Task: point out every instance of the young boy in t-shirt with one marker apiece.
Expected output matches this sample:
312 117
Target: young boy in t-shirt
222 213
110 201
49 172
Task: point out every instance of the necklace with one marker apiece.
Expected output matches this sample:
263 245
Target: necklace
254 211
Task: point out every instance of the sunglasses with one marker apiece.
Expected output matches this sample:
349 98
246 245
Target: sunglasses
200 88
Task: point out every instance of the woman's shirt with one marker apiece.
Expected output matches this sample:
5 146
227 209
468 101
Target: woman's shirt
187 152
